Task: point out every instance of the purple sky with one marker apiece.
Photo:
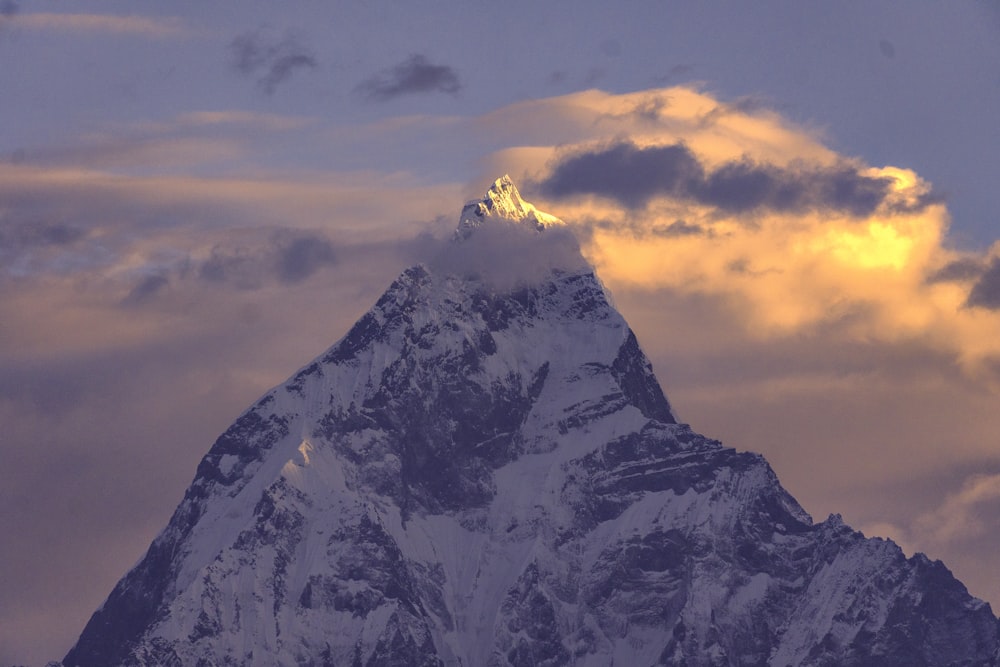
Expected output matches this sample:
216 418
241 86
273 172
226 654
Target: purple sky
794 205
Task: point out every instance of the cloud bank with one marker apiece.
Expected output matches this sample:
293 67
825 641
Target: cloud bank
673 190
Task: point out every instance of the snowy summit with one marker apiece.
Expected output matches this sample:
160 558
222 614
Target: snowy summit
502 204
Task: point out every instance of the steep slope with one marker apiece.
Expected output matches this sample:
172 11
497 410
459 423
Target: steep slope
484 471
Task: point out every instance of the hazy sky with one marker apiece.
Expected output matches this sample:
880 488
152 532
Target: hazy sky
794 205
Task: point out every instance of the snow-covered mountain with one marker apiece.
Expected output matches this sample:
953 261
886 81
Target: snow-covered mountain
484 471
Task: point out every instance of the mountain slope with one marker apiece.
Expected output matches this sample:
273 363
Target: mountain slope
484 471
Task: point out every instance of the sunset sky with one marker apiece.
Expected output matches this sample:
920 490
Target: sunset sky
793 204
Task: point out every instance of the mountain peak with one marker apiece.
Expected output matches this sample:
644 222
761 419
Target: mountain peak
485 471
502 203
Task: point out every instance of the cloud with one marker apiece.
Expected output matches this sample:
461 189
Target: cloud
147 288
138 208
8 9
270 61
414 75
678 228
36 240
144 26
216 137
235 267
36 233
287 257
626 173
257 121
634 175
985 293
963 269
301 257
967 514
506 256
160 152
778 228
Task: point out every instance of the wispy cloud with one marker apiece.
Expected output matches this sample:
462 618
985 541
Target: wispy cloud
144 26
270 61
414 75
966 514
186 140
146 289
288 258
265 121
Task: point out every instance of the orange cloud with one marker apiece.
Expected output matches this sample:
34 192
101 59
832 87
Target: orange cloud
104 23
785 270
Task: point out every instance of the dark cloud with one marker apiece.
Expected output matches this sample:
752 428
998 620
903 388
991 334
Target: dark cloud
986 292
638 227
36 234
269 61
960 270
633 176
236 267
679 228
302 257
416 74
8 10
650 108
746 105
287 258
886 48
28 243
59 234
146 289
627 173
742 106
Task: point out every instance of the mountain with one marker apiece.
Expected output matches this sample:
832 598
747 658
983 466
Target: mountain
485 471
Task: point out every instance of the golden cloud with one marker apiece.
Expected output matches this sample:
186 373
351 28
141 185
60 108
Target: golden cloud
830 239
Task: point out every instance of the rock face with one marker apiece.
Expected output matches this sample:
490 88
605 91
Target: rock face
485 473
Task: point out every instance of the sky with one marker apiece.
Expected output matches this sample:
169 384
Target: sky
793 204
